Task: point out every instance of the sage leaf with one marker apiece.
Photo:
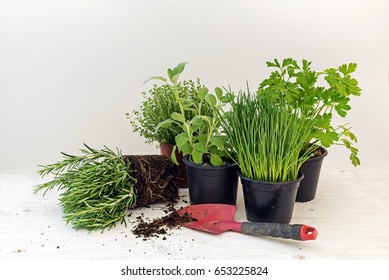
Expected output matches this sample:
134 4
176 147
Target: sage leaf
173 155
219 93
155 78
178 117
211 99
218 142
202 92
197 156
164 124
200 147
216 160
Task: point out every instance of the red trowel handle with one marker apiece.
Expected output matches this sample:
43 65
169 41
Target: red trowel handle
296 232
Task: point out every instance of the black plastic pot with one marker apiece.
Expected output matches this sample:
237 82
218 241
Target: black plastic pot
212 184
311 170
270 202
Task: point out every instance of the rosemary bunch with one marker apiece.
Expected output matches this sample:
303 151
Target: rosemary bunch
98 187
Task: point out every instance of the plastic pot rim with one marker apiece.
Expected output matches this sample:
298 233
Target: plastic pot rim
314 160
207 167
299 178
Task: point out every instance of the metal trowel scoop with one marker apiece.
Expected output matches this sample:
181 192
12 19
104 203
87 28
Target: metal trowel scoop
218 218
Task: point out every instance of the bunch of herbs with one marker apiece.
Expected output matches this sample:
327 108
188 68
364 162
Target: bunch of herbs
267 137
158 105
200 136
98 187
299 86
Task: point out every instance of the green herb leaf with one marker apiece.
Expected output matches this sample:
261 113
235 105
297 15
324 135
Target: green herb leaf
218 142
187 104
181 140
286 62
348 69
324 121
325 140
333 135
219 93
196 121
216 160
186 149
180 68
156 78
351 135
346 143
200 147
173 155
202 92
197 157
273 64
202 138
211 99
170 73
207 119
213 149
341 109
178 117
355 160
164 124
174 79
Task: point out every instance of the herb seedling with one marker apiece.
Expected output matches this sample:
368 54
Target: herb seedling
200 137
101 185
267 137
298 86
158 105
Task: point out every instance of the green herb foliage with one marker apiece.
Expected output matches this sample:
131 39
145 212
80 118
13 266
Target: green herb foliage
158 105
98 188
200 136
299 86
267 137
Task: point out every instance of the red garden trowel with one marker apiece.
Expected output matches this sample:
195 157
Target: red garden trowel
218 218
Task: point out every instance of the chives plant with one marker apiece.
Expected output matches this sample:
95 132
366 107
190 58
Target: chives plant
267 137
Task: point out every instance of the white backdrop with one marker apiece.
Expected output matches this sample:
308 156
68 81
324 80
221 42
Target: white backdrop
70 70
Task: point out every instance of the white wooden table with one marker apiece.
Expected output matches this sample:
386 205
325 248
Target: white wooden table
350 212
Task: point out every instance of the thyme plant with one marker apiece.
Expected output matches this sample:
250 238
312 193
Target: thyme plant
158 105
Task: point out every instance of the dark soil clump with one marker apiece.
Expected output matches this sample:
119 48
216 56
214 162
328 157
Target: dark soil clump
155 179
161 225
319 152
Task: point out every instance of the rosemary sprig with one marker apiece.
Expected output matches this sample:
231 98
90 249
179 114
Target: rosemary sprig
99 187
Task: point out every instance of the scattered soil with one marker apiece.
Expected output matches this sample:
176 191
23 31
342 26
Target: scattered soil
161 226
155 176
